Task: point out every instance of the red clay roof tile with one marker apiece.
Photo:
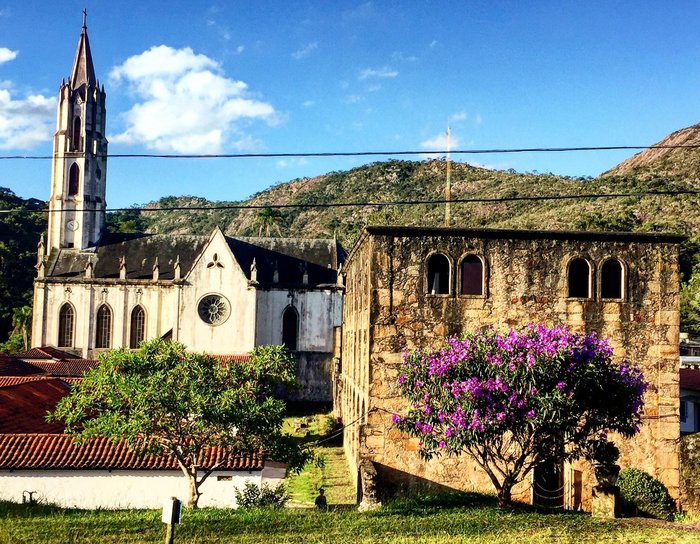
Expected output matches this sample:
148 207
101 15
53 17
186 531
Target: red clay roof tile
23 406
59 451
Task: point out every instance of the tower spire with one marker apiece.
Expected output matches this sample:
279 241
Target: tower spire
83 70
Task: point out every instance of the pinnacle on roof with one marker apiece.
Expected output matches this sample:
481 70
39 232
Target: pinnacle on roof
83 71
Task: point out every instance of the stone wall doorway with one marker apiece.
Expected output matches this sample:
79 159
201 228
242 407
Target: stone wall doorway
548 485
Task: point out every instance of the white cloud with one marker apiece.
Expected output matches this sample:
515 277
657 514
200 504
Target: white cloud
240 49
291 162
400 57
439 143
25 123
7 54
304 51
185 104
354 99
458 117
374 88
383 72
308 103
477 119
434 44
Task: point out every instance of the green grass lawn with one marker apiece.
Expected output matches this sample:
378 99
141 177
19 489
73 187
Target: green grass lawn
330 471
462 518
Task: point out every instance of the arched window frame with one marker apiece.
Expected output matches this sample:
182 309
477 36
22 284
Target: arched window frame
291 308
484 276
103 340
450 273
591 276
134 341
623 279
76 136
66 339
74 179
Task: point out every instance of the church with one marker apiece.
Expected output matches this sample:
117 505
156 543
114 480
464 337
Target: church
223 295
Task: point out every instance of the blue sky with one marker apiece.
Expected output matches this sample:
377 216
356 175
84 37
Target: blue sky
209 77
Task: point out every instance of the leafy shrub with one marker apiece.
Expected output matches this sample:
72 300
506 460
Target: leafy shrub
646 494
254 496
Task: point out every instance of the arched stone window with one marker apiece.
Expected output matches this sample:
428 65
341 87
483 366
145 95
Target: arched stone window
579 278
290 328
103 327
73 179
612 280
77 139
137 331
66 324
472 276
438 274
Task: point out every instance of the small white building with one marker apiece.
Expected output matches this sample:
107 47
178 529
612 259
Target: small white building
99 474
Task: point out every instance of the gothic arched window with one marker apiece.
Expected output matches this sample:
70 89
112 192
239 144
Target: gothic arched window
77 139
66 321
472 276
579 278
103 328
438 274
612 280
290 328
137 332
73 179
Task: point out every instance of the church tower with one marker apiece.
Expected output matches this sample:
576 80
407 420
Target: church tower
77 204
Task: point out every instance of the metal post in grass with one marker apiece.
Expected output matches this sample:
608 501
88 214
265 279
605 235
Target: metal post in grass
172 514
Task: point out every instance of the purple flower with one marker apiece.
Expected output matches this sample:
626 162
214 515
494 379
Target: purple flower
396 419
442 444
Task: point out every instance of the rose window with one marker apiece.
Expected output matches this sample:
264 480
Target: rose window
213 309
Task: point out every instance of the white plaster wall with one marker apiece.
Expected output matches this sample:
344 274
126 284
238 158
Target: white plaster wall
159 300
319 311
92 489
237 334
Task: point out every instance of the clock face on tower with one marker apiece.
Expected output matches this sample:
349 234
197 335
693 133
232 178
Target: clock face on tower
72 225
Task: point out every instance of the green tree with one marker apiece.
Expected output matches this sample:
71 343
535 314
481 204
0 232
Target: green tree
163 399
22 324
268 218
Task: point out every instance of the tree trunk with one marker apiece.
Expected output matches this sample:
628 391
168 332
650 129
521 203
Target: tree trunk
193 497
504 497
504 493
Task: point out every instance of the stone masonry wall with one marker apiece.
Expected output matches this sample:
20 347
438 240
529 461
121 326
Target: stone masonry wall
526 282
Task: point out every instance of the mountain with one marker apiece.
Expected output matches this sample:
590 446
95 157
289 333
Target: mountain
504 199
662 161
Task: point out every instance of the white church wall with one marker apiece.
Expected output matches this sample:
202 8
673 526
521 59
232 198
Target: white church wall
93 489
159 301
319 311
235 335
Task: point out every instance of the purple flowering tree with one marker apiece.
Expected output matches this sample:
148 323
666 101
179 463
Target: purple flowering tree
512 401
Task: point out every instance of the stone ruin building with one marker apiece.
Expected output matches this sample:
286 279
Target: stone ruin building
409 287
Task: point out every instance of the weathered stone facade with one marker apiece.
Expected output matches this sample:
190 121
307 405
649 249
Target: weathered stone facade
388 308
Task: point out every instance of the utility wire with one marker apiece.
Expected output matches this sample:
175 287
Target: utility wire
583 196
361 153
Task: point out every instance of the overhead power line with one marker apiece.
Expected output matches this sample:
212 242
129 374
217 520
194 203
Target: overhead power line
583 196
364 153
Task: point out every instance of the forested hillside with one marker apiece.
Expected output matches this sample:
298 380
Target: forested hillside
19 236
